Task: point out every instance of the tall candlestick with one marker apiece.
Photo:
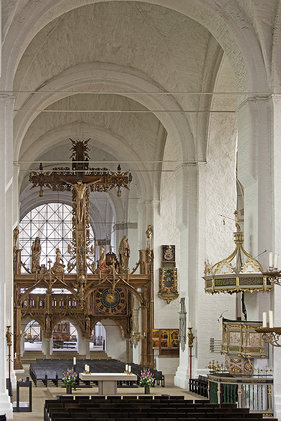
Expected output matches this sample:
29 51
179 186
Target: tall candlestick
270 259
270 318
264 321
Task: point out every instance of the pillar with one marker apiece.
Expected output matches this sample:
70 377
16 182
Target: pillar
6 235
255 174
187 204
276 168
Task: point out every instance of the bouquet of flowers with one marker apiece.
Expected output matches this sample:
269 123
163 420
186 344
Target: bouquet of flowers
69 377
146 378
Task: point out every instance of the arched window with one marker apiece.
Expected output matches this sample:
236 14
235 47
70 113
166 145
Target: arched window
52 223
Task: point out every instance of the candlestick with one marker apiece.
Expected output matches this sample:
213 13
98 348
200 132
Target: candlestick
264 321
270 318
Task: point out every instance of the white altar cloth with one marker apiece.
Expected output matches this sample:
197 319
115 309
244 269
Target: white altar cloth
107 381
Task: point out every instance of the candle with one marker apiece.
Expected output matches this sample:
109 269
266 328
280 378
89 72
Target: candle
264 322
129 368
275 260
221 323
15 355
270 318
270 259
74 360
189 324
126 367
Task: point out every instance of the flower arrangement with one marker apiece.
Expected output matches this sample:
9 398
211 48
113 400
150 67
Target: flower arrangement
69 377
146 378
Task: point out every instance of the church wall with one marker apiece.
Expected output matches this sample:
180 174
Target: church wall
166 232
115 344
217 196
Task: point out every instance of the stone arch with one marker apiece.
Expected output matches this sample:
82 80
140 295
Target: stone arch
226 22
71 319
114 144
94 73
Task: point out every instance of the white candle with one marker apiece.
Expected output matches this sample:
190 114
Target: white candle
270 318
74 360
270 259
15 355
189 324
129 368
275 260
126 367
264 322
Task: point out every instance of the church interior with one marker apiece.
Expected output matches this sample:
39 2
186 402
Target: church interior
140 200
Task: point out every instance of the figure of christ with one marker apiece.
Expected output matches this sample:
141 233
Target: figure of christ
80 189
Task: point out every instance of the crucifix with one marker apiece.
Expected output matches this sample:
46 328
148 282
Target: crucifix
81 180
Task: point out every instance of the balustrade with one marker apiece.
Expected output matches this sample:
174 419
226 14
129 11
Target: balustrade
253 392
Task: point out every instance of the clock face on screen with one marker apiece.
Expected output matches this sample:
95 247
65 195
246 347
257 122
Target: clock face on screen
108 301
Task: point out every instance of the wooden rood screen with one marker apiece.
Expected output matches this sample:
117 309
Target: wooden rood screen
106 291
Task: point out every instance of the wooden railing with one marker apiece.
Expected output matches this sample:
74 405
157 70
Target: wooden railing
253 392
58 302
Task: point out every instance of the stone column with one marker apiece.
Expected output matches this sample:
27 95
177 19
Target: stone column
276 169
187 203
6 235
47 346
255 174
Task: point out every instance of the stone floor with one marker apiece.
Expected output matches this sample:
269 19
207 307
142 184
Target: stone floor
39 394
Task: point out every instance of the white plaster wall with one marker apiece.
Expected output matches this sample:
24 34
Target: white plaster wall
166 232
167 365
115 344
217 195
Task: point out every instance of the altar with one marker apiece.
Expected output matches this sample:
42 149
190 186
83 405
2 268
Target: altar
107 382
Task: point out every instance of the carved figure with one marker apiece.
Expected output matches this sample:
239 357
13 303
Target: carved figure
237 222
208 267
124 253
80 189
58 265
16 236
35 256
148 236
102 260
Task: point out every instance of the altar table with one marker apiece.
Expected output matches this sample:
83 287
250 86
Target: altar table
107 382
